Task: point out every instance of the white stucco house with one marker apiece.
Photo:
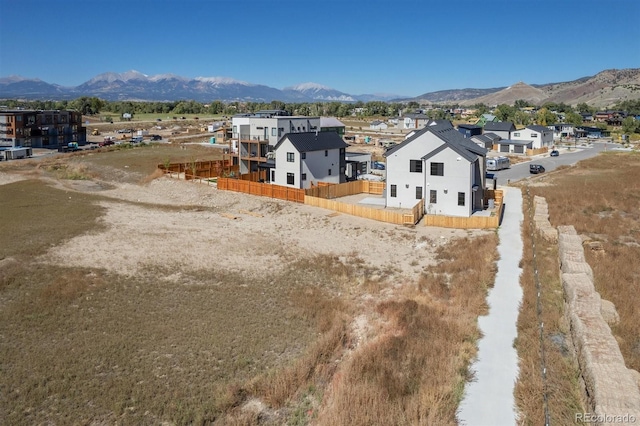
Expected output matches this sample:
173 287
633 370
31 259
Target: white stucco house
303 158
378 125
414 121
438 165
539 136
562 130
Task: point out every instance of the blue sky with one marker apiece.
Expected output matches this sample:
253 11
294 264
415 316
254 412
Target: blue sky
404 47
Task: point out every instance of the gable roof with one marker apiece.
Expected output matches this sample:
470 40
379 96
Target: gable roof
330 122
452 139
538 128
481 138
499 126
313 141
415 115
468 126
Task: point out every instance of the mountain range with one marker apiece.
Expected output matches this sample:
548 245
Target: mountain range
604 89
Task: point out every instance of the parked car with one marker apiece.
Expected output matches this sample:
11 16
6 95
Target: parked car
536 168
378 166
554 153
156 137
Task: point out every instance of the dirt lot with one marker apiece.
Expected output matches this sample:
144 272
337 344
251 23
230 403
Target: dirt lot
128 283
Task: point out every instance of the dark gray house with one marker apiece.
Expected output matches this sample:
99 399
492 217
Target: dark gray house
500 128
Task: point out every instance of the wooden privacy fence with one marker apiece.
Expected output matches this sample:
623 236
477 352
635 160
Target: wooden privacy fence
382 215
255 176
345 189
262 189
200 169
473 222
536 151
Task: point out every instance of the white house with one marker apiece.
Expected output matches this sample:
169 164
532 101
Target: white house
437 165
256 134
562 130
414 121
378 125
540 136
303 158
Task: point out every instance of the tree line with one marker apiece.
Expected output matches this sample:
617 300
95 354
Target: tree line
520 113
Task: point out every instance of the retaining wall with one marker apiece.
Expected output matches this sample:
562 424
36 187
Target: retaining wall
612 390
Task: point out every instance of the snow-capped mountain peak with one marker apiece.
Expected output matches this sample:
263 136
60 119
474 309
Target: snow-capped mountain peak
305 87
221 81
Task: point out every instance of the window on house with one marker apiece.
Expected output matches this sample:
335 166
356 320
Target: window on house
415 166
326 153
418 193
274 131
433 196
534 135
394 191
461 198
516 134
290 157
437 169
303 177
290 179
329 172
303 155
273 175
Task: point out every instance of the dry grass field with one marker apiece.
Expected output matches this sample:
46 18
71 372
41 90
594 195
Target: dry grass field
600 197
563 390
135 299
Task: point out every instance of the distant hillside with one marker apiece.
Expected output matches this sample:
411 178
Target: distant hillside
511 94
453 95
602 90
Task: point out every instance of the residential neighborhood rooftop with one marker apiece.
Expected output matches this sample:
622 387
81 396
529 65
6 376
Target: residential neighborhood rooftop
313 141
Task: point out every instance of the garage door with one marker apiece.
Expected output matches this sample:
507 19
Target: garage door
518 149
504 148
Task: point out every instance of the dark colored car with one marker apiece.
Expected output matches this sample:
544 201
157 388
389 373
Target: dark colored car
554 153
536 168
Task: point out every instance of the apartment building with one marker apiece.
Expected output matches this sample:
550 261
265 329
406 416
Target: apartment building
40 129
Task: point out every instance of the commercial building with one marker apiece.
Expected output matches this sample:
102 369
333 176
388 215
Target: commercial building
41 129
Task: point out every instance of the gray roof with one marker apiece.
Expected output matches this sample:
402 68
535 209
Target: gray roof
452 139
468 126
499 126
537 128
481 138
492 136
416 115
313 141
330 122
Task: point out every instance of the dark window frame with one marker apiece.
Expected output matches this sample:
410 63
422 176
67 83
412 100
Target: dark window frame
415 166
437 169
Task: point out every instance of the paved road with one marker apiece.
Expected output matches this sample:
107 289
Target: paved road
567 157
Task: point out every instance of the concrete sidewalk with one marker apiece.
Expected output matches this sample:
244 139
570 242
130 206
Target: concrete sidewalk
489 399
